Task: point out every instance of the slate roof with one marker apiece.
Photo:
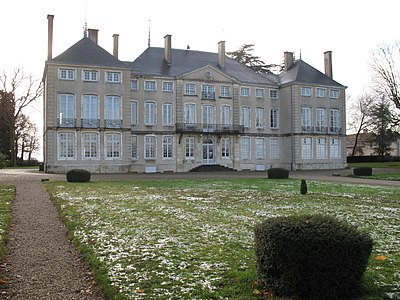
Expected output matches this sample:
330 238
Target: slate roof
87 52
151 63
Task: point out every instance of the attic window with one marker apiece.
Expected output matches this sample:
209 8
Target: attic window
306 91
90 75
66 74
114 77
334 94
273 94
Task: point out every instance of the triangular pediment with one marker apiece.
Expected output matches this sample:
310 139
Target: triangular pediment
208 73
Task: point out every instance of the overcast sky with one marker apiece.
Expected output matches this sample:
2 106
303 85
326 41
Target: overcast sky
351 29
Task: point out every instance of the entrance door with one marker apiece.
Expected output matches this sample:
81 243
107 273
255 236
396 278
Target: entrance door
208 152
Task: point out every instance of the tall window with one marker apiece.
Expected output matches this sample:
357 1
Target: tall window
245 148
274 118
225 91
150 113
274 148
245 91
67 110
113 112
260 148
113 77
190 89
168 144
90 75
260 117
167 86
321 119
66 74
306 118
335 148
66 145
306 148
113 145
167 114
321 148
190 113
335 120
150 147
225 147
134 113
208 114
189 147
245 116
90 143
150 85
134 147
225 115
90 111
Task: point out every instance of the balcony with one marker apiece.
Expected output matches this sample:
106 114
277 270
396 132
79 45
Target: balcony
66 122
307 129
207 95
90 123
211 128
111 123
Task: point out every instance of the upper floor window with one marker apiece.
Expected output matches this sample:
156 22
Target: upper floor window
273 94
245 91
113 112
320 93
150 113
90 115
274 120
150 85
245 116
207 91
67 110
90 75
259 93
134 85
260 117
190 89
306 91
190 113
225 91
113 77
306 119
167 86
225 115
134 113
66 74
334 94
167 114
334 118
321 119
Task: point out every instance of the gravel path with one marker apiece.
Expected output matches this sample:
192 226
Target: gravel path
41 263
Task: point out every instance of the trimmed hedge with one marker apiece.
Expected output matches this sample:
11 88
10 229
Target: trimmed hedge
362 171
311 257
278 173
78 175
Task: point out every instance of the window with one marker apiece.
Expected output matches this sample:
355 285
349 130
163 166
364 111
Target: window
306 148
113 77
189 147
260 148
306 119
321 148
150 85
274 148
207 92
66 74
134 147
245 148
66 145
90 144
90 112
306 91
274 113
273 94
150 113
321 119
190 89
334 94
335 121
260 117
134 85
134 113
245 116
225 115
67 110
167 114
90 75
225 147
113 112
259 93
168 143
245 91
335 148
150 147
190 113
167 86
113 145
225 91
208 114
320 93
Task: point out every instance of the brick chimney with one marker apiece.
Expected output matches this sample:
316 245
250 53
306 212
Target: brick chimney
115 44
168 49
289 60
93 34
221 54
328 63
50 19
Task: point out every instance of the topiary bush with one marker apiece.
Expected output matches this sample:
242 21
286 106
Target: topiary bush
303 187
278 173
78 175
311 257
362 171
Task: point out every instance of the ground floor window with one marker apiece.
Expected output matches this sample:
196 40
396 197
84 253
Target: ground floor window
245 148
134 147
168 144
274 148
306 148
226 147
66 145
90 144
260 148
113 145
150 147
335 148
321 148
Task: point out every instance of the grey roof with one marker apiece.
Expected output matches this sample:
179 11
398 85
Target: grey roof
87 52
151 63
301 72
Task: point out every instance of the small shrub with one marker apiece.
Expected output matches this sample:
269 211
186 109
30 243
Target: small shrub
78 175
311 257
362 171
303 187
278 173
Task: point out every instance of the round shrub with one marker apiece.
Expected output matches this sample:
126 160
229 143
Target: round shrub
311 257
78 175
362 171
303 187
278 173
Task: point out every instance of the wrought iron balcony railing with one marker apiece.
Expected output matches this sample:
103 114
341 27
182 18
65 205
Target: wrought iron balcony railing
211 128
66 122
90 123
111 123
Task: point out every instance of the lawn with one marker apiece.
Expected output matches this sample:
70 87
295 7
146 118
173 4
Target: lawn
7 194
189 239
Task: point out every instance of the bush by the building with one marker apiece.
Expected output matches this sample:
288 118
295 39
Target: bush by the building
278 173
362 171
78 175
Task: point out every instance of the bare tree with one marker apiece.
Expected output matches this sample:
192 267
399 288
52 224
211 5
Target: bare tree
24 90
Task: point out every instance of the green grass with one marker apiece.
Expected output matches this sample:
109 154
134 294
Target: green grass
394 165
7 194
184 239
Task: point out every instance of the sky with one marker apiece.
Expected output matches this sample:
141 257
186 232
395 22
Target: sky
351 29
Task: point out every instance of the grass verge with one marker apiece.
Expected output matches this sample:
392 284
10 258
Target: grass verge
7 194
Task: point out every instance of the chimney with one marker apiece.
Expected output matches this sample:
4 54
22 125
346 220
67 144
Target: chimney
328 63
289 60
50 37
221 54
115 48
93 34
167 49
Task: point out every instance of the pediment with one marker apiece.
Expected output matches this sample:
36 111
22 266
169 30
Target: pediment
208 73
